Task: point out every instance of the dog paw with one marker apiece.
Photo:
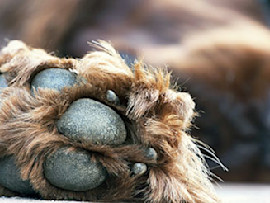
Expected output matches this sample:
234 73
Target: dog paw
93 129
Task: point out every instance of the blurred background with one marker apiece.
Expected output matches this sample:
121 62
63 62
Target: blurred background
219 51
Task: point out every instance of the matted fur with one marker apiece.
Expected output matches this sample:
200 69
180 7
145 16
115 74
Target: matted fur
159 115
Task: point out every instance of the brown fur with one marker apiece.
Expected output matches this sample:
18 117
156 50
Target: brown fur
235 65
229 62
159 114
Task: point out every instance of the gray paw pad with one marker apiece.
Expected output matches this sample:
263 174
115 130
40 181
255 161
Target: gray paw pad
73 171
53 78
11 179
91 121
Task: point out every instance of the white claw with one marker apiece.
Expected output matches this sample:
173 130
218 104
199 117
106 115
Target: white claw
139 168
112 97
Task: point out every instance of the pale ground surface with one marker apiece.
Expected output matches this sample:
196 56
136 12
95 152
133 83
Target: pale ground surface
248 193
229 193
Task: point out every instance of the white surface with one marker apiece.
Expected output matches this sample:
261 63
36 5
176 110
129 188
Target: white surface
246 193
229 193
24 200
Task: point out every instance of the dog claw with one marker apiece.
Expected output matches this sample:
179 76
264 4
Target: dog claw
112 97
139 168
151 153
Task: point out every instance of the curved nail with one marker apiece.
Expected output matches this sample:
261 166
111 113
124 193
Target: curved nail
151 153
139 168
112 97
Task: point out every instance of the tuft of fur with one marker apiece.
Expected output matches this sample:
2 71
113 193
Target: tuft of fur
158 115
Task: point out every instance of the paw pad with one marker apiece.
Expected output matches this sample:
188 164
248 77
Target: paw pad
11 179
90 121
71 170
53 78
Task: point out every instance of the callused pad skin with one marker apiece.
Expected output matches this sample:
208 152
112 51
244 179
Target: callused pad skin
91 121
53 78
11 179
73 171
